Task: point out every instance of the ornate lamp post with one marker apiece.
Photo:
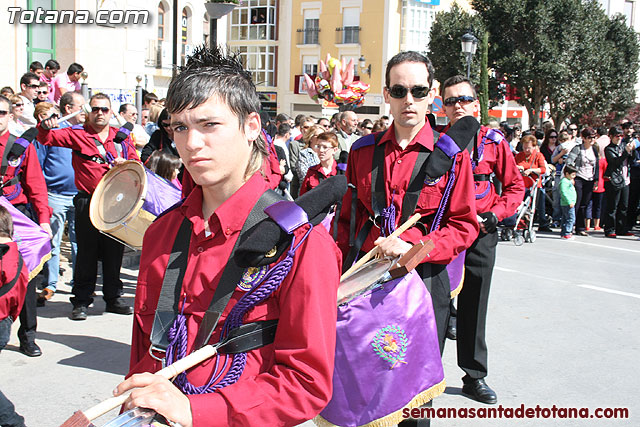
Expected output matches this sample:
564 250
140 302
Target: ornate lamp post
469 44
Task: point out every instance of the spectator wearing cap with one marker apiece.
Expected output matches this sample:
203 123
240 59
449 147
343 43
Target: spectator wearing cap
585 159
616 184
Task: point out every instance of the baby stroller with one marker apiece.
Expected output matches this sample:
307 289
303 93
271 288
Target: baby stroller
519 227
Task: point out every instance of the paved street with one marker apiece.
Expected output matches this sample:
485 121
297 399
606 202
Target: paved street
562 329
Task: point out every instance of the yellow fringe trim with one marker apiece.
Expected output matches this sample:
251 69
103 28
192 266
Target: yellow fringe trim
397 416
36 270
456 291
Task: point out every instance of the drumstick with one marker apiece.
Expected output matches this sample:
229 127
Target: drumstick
83 419
362 261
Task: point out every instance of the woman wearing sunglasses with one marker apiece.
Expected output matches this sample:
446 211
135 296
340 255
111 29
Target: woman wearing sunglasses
161 139
16 126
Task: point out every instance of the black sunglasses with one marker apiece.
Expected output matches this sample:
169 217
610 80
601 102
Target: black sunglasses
399 91
18 105
33 86
463 100
105 110
3 113
42 92
369 127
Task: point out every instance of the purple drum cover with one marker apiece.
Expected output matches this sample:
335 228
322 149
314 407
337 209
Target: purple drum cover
387 355
161 195
33 242
455 269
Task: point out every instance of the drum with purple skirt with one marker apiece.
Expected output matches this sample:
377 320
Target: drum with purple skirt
128 199
455 270
387 355
33 242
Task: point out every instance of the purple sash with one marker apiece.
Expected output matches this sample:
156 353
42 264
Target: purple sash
161 195
326 222
387 355
455 269
33 242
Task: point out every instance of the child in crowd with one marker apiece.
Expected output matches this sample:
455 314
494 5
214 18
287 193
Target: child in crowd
568 197
325 146
166 166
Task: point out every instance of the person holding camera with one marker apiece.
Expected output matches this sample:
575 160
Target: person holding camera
616 184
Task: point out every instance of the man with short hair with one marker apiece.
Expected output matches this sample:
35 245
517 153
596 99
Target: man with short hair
70 81
23 185
144 117
139 136
42 94
324 122
36 68
346 126
29 85
385 121
94 153
490 155
56 163
51 68
149 99
214 113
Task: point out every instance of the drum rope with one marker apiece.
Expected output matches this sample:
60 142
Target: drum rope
260 290
445 199
388 216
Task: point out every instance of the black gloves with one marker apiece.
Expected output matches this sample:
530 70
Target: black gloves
490 221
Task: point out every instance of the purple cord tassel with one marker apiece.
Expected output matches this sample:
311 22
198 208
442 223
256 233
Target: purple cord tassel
388 216
445 199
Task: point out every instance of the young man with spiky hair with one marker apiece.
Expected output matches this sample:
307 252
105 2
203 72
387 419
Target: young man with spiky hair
214 111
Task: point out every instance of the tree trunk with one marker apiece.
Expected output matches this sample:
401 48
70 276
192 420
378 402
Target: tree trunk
484 80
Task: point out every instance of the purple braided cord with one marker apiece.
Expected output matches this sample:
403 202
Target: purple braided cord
388 216
484 193
445 198
178 333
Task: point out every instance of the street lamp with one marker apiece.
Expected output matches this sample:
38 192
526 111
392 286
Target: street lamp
362 62
469 44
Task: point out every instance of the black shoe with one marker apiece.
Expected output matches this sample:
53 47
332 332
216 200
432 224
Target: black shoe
478 390
119 307
30 348
452 331
79 313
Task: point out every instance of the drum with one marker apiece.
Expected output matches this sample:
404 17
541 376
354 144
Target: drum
33 242
138 417
387 355
128 199
455 270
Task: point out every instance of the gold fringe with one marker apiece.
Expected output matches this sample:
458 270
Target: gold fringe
456 291
36 270
397 416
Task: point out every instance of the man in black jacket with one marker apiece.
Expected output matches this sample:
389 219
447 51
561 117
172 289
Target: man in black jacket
616 184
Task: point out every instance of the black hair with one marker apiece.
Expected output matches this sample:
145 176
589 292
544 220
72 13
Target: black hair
539 134
282 118
568 169
150 96
35 65
615 130
283 129
587 132
456 80
6 223
27 77
601 131
627 125
163 164
52 64
74 68
100 95
123 107
8 89
66 99
5 100
213 72
408 56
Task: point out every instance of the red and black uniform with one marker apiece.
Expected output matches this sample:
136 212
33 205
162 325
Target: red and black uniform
490 155
315 175
458 227
11 301
29 196
90 166
284 383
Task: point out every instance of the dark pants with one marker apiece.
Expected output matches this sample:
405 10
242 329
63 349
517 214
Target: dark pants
436 279
93 245
28 315
634 199
615 216
597 200
8 415
473 301
584 190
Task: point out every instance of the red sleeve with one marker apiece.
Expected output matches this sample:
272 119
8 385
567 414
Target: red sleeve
541 163
306 183
299 385
512 185
57 137
12 301
34 185
459 225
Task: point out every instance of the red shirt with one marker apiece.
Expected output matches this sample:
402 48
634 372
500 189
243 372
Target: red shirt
497 158
32 188
284 383
81 138
11 302
312 180
459 225
534 161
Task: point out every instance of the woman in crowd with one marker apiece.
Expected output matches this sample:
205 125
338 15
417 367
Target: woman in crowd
308 157
378 126
549 144
616 184
16 127
162 139
585 159
166 166
597 199
366 127
325 146
152 124
532 166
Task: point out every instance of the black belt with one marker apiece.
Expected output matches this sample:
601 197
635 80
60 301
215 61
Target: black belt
481 177
83 194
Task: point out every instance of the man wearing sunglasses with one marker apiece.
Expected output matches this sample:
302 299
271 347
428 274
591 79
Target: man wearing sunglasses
490 154
409 92
24 186
51 68
29 85
94 153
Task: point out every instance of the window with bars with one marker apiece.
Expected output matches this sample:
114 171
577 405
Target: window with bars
253 20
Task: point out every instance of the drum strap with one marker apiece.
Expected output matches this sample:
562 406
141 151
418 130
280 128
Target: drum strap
8 286
169 299
5 162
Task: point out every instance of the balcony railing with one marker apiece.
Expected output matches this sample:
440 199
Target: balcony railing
308 35
345 35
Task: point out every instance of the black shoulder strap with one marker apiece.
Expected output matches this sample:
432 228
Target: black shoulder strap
168 301
5 155
8 286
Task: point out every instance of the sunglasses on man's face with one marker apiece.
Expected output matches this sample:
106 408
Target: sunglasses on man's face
399 91
463 100
369 127
43 92
3 113
104 110
34 86
18 105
